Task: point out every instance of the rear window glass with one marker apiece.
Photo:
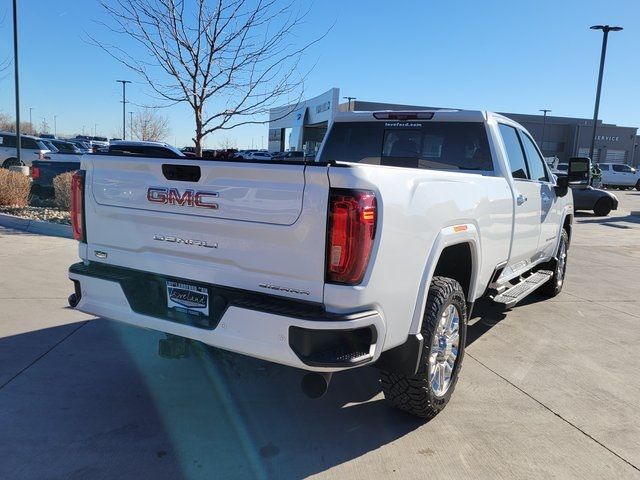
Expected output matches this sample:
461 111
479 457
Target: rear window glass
427 145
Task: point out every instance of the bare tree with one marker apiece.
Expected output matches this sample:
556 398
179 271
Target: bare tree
44 126
227 143
149 125
8 124
229 60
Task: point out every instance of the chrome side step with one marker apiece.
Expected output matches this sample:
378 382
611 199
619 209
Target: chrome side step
516 293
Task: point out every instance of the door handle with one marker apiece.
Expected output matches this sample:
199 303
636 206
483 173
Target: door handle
520 199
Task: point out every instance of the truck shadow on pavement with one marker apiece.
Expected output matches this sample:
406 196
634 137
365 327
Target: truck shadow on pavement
104 404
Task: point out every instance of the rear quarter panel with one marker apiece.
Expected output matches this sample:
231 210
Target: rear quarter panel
416 210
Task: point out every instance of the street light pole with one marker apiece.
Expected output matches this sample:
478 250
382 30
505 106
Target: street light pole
130 126
124 104
17 78
544 125
349 101
605 30
55 125
30 122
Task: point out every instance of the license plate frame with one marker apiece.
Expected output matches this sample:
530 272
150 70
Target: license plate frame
187 298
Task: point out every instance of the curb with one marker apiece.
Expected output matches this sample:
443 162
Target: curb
35 226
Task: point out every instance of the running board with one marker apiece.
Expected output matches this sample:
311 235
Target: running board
516 293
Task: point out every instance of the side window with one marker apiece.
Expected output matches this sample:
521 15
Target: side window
604 167
534 160
29 143
618 167
9 141
514 152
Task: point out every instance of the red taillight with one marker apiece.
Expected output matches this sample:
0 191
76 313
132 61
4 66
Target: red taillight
352 229
77 206
35 173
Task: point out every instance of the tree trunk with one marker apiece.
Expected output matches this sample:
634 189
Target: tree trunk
198 138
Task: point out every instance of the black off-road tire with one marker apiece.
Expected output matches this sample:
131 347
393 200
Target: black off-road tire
554 285
603 207
637 187
414 394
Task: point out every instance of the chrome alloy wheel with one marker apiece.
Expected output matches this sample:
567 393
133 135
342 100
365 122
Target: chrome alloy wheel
562 262
444 350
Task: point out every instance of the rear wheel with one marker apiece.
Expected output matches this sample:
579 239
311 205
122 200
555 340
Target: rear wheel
554 286
444 329
638 185
11 162
603 207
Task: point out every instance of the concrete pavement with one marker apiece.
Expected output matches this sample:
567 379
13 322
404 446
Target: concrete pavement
550 389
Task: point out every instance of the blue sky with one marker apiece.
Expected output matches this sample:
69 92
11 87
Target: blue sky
514 56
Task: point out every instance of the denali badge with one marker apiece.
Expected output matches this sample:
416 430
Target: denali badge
186 241
268 286
190 198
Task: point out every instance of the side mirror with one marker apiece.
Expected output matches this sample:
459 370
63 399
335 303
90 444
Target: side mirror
579 170
562 186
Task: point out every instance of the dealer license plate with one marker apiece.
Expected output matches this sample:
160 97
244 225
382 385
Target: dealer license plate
187 298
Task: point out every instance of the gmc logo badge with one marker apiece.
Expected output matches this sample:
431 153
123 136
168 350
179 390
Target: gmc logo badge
190 198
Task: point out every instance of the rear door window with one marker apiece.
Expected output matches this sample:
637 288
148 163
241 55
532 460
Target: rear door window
9 141
515 154
425 145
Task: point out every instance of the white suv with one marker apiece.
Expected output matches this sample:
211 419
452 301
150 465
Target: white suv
32 149
620 175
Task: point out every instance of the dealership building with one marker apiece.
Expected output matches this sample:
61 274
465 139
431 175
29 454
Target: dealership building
302 126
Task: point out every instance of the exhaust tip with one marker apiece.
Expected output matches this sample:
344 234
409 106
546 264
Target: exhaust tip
315 384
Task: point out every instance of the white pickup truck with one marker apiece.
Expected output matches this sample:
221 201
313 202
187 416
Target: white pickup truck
372 254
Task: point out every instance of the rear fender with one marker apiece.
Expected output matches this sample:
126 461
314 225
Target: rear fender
448 236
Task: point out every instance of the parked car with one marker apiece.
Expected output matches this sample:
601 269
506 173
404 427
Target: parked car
291 155
32 148
257 155
620 175
243 154
83 146
44 171
66 147
62 151
47 135
372 255
587 197
148 149
49 145
600 201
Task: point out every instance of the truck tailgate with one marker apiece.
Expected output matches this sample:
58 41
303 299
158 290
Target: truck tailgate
254 226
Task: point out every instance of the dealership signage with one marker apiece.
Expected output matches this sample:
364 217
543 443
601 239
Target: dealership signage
323 107
607 138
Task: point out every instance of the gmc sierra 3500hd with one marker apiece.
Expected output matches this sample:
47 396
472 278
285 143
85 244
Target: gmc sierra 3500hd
372 254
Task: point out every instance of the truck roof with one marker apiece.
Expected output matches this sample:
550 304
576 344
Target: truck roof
402 115
442 115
